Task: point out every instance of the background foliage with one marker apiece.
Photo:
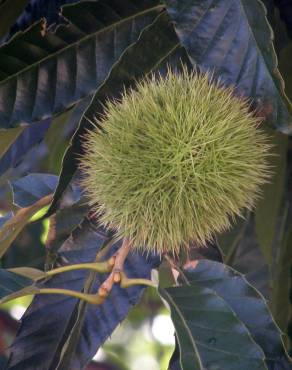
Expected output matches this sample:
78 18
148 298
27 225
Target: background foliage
56 71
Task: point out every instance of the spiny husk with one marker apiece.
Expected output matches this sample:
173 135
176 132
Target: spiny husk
178 158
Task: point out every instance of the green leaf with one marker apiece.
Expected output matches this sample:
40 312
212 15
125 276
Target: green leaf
230 239
281 287
57 137
158 43
43 73
13 285
268 208
225 317
285 67
29 272
12 227
29 189
9 13
209 333
233 39
7 138
249 260
281 303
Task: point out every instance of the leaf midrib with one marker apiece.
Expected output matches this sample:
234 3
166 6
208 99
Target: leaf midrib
198 359
275 78
83 39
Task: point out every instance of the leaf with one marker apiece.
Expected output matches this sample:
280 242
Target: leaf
158 42
38 345
54 137
174 362
285 67
234 40
209 333
21 145
11 228
29 272
268 208
281 288
43 73
230 239
29 189
281 304
58 135
249 260
217 284
9 14
18 282
36 10
5 218
7 138
11 283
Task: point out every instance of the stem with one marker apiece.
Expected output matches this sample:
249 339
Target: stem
90 298
126 282
117 268
101 267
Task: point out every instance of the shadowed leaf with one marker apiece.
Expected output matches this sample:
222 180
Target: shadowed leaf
37 345
220 295
12 283
268 207
29 189
157 43
7 138
27 141
12 227
233 39
9 14
43 72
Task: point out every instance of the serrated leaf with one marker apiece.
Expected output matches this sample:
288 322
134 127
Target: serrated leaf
245 302
43 72
233 39
209 334
54 137
158 42
36 10
39 346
